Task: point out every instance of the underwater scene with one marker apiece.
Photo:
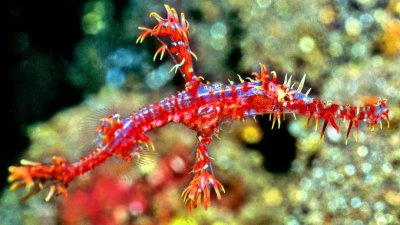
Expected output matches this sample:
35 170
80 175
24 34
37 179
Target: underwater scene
114 119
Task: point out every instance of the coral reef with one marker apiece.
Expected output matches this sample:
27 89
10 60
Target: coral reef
349 50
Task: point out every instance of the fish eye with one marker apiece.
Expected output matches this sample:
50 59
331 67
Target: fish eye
286 98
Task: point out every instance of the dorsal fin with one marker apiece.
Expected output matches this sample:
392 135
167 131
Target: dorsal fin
172 32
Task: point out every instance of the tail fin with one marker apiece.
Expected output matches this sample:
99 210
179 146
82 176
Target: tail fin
37 176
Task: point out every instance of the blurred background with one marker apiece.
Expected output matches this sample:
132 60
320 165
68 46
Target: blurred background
68 63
